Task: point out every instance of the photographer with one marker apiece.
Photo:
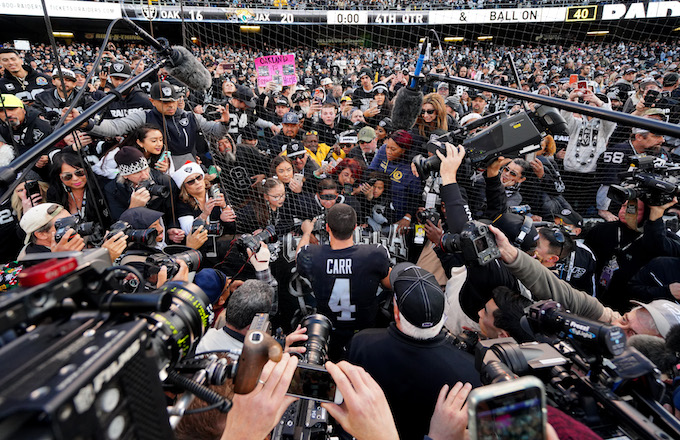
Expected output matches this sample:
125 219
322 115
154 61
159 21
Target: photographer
655 318
38 223
132 185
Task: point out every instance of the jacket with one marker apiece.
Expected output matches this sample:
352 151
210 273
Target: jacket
34 84
135 101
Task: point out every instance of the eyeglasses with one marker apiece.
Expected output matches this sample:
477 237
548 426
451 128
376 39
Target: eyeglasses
277 197
428 112
68 176
194 180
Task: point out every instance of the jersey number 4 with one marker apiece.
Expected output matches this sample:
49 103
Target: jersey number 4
339 301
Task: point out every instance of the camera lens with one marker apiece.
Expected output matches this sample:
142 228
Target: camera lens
188 318
143 236
318 330
191 257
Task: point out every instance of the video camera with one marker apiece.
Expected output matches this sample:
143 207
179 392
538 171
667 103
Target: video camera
654 184
510 136
90 231
87 360
587 371
476 242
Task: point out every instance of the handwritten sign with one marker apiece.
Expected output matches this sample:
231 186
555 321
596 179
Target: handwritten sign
277 68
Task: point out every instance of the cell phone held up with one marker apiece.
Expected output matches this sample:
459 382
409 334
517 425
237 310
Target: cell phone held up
313 382
510 410
32 187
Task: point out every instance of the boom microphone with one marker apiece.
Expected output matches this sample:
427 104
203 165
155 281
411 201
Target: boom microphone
664 354
406 109
188 69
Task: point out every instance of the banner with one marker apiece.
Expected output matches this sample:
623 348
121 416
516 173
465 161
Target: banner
61 8
277 68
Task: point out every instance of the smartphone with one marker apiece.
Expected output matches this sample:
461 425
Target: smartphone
582 85
315 383
299 177
32 187
530 157
573 78
228 66
508 410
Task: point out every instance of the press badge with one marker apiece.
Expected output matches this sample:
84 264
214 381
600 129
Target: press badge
420 234
608 272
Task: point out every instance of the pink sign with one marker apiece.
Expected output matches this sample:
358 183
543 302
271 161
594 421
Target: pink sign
277 68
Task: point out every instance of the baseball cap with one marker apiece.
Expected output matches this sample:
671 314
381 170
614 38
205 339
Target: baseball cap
519 229
346 98
452 101
248 133
244 94
386 123
670 79
570 217
665 314
163 91
326 81
10 101
294 149
282 102
443 85
120 69
212 282
629 70
65 73
366 134
418 296
37 217
290 118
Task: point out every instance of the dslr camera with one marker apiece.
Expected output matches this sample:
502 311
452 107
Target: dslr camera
90 231
155 189
213 227
146 237
252 241
476 242
430 214
153 263
654 184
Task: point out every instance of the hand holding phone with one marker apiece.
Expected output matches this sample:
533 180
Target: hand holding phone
510 410
313 382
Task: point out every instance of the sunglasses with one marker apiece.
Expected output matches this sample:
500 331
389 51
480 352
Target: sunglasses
312 133
428 112
511 172
194 180
328 196
68 176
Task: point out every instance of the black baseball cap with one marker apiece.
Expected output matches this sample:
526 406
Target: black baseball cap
244 94
519 229
120 69
418 296
163 91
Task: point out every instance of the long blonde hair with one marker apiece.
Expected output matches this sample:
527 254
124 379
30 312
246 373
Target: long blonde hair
437 101
18 207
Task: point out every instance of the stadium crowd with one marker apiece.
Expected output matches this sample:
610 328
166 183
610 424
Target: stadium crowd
275 187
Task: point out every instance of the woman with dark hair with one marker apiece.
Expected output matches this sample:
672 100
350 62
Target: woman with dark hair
268 207
283 169
348 174
69 177
432 116
380 106
394 159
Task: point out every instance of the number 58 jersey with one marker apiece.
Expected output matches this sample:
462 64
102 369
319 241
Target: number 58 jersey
345 281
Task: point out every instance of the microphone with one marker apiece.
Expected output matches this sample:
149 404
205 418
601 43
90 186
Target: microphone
184 66
188 69
409 100
663 353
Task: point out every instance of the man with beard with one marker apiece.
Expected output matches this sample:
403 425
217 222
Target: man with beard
51 102
289 133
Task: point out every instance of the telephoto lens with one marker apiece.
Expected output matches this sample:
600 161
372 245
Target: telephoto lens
318 332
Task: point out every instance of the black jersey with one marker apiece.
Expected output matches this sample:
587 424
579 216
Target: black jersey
345 281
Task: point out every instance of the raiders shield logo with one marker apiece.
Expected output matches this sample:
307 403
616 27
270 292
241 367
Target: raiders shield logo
184 122
9 87
41 81
149 12
118 67
37 135
167 91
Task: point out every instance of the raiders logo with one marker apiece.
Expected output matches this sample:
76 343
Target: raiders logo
118 67
184 122
239 178
149 12
37 135
167 91
41 81
9 87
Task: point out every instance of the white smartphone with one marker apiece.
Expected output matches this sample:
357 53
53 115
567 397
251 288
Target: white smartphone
510 410
530 157
299 177
315 383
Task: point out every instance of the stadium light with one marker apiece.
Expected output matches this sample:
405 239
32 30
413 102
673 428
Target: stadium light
194 39
63 34
250 29
485 37
451 39
597 33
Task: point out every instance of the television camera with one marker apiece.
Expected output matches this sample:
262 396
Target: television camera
508 136
650 182
588 372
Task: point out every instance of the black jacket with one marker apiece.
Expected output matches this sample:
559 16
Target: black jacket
411 372
135 101
653 281
34 84
33 130
50 104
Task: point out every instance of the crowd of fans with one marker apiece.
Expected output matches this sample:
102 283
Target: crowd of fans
308 171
